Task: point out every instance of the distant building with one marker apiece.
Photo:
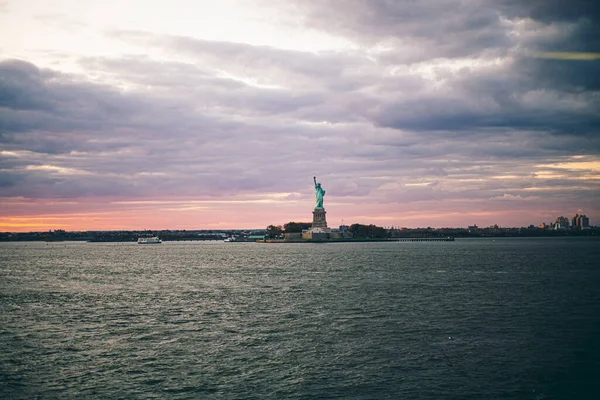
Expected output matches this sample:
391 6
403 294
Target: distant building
585 222
580 222
561 224
253 238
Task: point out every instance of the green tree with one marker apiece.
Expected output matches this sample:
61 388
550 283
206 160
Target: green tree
274 231
368 231
296 227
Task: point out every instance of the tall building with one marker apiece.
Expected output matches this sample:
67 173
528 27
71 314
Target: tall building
580 222
585 222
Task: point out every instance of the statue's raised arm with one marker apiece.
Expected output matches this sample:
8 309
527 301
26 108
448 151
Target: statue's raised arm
315 179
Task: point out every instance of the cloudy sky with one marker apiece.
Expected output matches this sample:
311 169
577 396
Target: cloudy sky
189 114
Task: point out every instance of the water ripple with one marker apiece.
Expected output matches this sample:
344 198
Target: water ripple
471 319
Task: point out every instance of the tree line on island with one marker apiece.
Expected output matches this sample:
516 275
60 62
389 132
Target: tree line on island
357 230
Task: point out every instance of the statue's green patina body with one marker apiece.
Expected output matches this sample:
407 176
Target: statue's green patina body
319 193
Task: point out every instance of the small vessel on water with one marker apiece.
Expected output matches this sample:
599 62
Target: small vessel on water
149 240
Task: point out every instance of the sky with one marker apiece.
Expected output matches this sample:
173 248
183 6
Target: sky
189 114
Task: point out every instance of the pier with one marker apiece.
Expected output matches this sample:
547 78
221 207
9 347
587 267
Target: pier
355 240
426 239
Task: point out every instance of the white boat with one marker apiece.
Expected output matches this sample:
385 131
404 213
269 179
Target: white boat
149 240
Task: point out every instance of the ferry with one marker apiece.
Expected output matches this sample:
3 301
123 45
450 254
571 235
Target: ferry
149 240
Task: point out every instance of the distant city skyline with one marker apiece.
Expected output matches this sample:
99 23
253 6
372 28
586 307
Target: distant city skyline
216 115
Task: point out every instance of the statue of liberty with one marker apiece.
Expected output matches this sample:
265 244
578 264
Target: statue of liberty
319 193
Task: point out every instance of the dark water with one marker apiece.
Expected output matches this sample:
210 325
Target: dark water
302 321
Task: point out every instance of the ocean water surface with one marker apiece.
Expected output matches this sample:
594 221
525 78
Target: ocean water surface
470 319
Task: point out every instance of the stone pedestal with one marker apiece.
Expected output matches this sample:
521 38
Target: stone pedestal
319 231
319 220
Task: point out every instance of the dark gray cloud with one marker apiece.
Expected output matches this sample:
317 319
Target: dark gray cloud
465 112
422 30
556 96
577 29
509 95
21 86
432 27
564 75
454 29
97 133
549 11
